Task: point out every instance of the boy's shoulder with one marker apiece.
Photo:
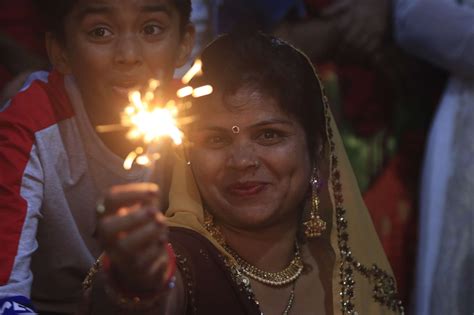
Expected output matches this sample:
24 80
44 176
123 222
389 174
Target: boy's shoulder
40 103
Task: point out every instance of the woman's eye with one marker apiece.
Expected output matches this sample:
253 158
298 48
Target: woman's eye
152 29
270 134
216 141
100 32
269 137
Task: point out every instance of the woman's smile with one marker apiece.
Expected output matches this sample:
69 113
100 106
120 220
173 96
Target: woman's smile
247 188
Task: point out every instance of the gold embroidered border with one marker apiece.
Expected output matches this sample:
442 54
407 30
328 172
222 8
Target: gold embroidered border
384 291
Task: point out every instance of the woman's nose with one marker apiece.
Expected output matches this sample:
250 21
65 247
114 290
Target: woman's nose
243 156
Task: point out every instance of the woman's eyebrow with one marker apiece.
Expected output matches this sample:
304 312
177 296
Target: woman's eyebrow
274 121
205 127
211 128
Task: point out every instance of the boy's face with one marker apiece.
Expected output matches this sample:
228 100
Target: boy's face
114 46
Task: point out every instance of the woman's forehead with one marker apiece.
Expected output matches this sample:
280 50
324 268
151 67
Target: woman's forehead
244 99
246 106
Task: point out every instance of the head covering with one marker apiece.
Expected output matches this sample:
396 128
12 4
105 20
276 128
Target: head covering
349 252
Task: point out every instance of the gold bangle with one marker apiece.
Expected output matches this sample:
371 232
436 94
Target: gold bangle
139 302
133 303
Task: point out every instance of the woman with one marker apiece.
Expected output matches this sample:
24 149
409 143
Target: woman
245 220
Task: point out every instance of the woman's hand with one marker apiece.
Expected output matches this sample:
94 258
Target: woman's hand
132 231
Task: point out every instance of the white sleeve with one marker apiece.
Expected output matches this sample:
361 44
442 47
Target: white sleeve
22 213
439 31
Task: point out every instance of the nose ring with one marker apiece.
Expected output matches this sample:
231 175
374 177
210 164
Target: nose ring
235 129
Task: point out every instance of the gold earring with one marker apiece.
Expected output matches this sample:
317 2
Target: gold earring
315 226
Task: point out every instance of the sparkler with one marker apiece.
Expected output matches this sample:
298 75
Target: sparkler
150 119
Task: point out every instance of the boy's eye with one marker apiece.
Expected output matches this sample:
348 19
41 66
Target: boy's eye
100 32
152 29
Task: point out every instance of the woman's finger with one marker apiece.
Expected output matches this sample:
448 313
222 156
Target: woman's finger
129 194
149 234
148 256
125 221
147 272
159 267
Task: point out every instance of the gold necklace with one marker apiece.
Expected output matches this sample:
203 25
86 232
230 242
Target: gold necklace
276 279
289 275
289 305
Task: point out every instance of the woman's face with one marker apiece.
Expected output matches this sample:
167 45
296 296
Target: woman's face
250 160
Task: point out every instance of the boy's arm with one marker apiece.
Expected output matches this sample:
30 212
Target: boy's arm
439 31
21 194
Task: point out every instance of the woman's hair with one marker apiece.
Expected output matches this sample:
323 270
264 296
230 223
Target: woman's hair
270 66
54 13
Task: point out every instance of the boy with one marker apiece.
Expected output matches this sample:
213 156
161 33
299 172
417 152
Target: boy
53 164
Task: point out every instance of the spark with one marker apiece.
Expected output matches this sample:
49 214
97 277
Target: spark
128 163
110 128
202 91
193 71
149 118
185 91
143 160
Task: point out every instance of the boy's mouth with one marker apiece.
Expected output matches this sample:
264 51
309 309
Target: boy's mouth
122 91
124 87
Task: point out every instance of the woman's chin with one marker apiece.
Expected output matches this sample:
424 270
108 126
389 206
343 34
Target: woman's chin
253 219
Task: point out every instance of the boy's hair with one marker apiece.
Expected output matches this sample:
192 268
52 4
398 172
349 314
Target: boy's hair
54 13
